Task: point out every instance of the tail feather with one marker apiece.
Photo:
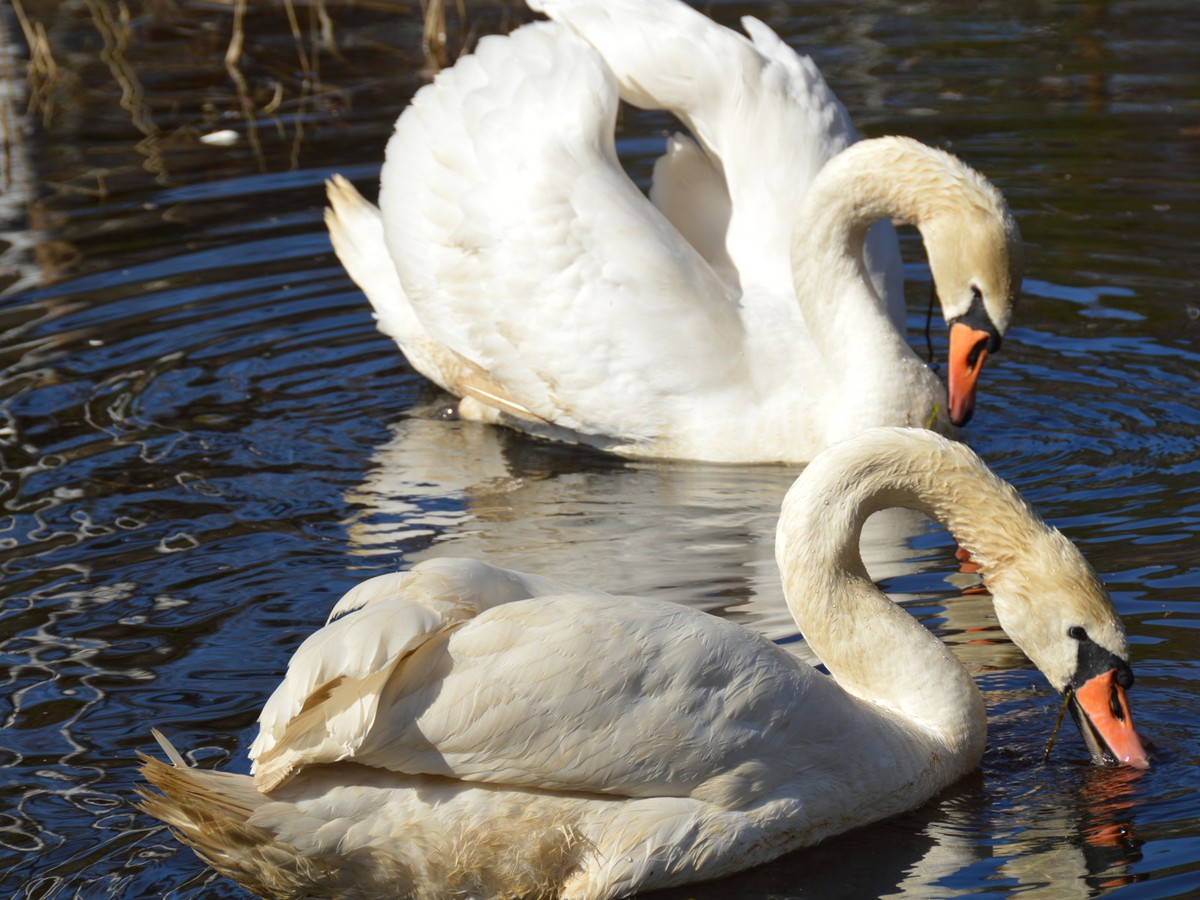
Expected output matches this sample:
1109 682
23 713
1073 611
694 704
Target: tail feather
356 232
352 832
168 748
210 810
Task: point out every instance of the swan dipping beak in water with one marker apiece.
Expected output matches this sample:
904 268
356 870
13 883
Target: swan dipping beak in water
465 730
751 309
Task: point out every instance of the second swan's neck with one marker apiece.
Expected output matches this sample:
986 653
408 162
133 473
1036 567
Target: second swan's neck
882 178
876 650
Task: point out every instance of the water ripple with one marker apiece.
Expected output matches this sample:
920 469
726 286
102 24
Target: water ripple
204 442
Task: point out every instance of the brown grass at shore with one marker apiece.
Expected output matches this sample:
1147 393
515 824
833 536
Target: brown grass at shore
42 74
265 95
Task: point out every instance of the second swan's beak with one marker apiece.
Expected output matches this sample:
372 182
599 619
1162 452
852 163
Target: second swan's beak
968 350
1101 710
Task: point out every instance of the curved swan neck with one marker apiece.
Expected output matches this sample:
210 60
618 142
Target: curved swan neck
875 649
889 177
895 177
916 470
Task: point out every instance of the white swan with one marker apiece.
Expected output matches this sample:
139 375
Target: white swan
464 729
735 318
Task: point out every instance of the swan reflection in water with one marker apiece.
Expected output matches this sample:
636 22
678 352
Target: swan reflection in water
702 535
1075 842
694 534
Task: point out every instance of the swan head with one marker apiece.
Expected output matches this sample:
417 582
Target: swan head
976 259
1050 602
1047 598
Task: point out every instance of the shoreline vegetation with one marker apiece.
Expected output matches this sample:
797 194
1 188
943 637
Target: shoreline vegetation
257 76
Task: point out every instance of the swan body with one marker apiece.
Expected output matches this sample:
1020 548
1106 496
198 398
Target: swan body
465 729
750 310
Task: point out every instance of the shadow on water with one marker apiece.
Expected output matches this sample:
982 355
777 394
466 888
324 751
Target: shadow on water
204 442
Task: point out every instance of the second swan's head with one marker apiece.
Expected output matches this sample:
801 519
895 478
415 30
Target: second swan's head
976 259
971 239
1050 602
1047 597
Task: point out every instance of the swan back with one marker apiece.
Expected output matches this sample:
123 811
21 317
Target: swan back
330 697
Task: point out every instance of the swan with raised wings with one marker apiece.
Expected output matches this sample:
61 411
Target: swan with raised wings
746 312
466 730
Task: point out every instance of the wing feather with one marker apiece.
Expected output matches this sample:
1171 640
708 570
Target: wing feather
467 671
763 114
330 697
635 698
521 241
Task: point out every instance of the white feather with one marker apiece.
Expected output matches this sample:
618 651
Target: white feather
734 318
525 737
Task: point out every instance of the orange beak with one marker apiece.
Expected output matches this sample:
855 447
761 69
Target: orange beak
968 350
1101 711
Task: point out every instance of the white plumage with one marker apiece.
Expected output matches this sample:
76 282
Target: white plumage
461 728
734 315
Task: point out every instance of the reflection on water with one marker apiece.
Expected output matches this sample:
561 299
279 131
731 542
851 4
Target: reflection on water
204 442
701 535
1072 844
1102 845
694 534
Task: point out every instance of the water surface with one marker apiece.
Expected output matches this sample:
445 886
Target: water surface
204 441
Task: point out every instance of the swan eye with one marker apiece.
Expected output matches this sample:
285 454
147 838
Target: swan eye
976 295
1077 632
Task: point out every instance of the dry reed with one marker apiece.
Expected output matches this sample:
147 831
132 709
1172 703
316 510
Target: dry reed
312 31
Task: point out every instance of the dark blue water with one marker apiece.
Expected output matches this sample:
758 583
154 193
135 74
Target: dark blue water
204 442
